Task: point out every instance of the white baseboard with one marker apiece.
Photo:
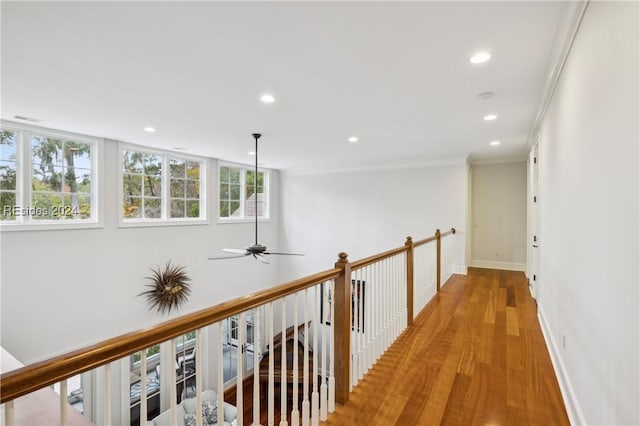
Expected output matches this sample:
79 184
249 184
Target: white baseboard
507 266
571 402
462 270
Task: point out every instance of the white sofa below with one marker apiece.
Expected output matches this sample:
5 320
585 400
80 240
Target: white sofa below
187 408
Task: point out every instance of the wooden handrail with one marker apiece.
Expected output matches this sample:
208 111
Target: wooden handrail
424 241
22 381
30 378
376 257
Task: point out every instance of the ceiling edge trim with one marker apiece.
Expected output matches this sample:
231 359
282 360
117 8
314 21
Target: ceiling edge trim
497 161
435 163
570 20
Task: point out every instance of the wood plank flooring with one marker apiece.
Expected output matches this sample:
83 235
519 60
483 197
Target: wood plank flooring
475 356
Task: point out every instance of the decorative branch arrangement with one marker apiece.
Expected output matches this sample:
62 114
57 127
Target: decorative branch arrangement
169 289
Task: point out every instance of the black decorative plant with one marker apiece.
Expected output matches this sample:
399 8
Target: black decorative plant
169 289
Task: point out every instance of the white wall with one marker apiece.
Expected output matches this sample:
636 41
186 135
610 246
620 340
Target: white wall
63 289
589 193
499 216
367 211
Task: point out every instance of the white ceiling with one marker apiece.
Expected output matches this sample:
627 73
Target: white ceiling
397 75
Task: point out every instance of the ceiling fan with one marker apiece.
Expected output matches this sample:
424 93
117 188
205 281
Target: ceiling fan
258 251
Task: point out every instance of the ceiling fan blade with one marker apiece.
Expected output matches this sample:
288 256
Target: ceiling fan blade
235 251
261 258
283 254
227 257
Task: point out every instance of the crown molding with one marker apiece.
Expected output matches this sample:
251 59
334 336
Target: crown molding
570 20
457 161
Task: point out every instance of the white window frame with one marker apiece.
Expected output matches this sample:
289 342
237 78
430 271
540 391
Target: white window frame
243 190
24 177
165 178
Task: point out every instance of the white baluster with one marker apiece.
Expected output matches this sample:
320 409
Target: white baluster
305 374
323 385
332 380
369 322
9 413
240 349
107 395
174 391
271 391
64 405
361 329
315 403
295 414
197 352
356 327
143 387
256 366
352 340
220 386
283 366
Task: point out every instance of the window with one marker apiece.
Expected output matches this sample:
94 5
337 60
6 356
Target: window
161 187
237 193
62 175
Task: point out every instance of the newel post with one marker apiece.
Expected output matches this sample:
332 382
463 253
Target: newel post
437 259
342 328
409 245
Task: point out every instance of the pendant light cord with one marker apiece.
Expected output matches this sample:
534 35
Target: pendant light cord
255 189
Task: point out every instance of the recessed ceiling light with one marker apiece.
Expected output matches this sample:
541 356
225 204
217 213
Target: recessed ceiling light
494 143
149 129
490 117
179 148
267 98
251 153
353 139
480 57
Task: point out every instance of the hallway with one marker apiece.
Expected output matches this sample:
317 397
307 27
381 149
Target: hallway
476 355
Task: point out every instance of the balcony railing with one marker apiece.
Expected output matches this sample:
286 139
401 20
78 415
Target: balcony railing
348 316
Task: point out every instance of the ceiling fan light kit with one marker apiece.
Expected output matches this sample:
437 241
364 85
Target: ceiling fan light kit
258 251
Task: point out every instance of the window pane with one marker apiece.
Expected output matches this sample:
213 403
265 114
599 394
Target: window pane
193 189
193 170
132 207
177 208
152 165
7 202
48 205
83 180
177 188
8 145
224 174
77 180
234 207
7 175
46 151
152 186
193 208
47 178
235 192
224 208
77 154
177 168
152 208
224 191
234 175
132 162
84 206
132 184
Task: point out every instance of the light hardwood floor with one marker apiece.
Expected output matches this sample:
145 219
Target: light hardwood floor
475 356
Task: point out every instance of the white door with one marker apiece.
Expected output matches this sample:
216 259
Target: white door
535 210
